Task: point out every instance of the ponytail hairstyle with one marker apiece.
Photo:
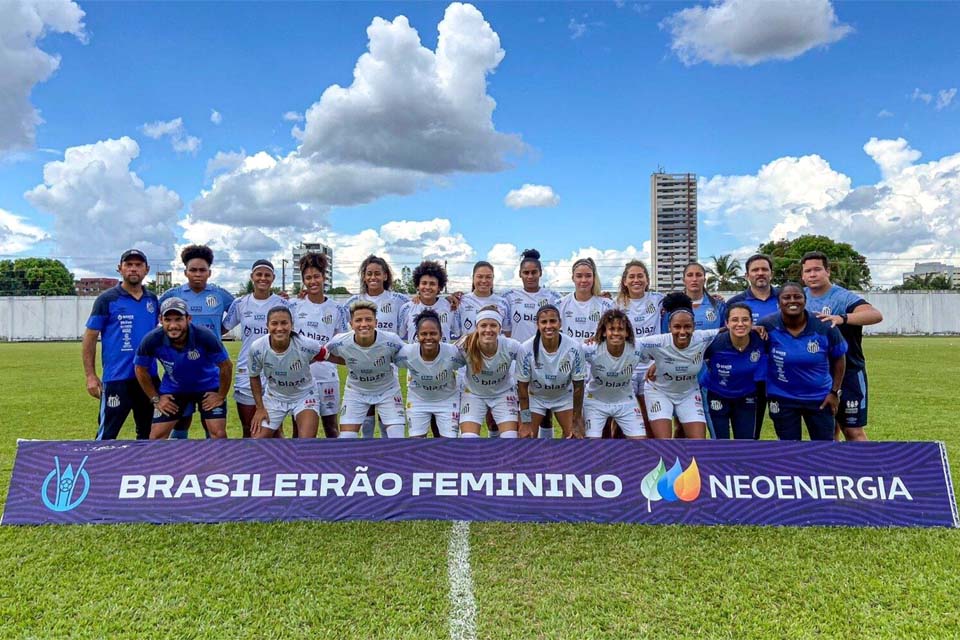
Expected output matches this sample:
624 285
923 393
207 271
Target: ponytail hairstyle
536 338
531 255
623 296
609 317
471 345
387 273
480 264
593 267
280 308
676 301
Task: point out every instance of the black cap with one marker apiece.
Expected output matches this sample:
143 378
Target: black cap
177 305
262 263
133 253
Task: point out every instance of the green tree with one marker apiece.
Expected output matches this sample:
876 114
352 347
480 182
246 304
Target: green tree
339 291
724 274
925 282
848 267
405 283
35 277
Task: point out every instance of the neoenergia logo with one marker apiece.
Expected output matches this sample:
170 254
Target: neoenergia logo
673 484
66 483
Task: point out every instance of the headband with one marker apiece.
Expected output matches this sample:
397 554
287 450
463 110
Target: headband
676 311
266 264
490 314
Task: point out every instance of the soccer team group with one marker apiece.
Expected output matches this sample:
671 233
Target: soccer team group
634 364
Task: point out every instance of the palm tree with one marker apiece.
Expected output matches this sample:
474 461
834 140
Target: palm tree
724 274
848 274
925 282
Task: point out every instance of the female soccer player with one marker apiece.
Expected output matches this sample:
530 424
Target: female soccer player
580 311
642 306
708 312
316 316
733 364
369 355
489 385
678 357
550 375
480 296
431 365
250 312
805 366
430 279
283 359
613 356
376 278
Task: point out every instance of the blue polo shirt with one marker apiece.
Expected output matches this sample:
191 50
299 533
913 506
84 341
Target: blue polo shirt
709 315
758 308
206 308
835 301
731 373
191 369
798 367
122 321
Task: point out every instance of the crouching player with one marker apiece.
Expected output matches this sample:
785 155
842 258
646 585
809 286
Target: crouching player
369 355
196 372
431 378
550 375
283 359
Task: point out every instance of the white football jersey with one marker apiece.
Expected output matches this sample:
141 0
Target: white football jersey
644 314
319 322
251 315
610 377
523 310
676 370
449 320
369 369
287 374
470 306
388 310
551 375
494 379
431 381
579 320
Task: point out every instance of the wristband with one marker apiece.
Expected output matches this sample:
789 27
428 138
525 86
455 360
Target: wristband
526 416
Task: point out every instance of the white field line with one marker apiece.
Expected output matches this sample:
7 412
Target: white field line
463 607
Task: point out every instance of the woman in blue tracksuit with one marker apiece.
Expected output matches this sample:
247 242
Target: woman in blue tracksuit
733 363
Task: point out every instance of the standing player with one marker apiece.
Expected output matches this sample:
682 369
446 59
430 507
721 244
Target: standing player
376 278
281 361
207 303
250 312
196 372
316 316
580 311
613 357
489 386
430 279
431 364
123 315
524 304
850 313
761 297
550 375
643 307
708 312
369 355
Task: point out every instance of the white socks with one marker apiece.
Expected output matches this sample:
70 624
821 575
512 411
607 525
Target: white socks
546 432
348 435
395 431
508 434
465 434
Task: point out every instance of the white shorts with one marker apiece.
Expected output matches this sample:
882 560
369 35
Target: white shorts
445 412
660 407
540 405
389 406
328 397
242 393
638 381
278 409
627 415
504 408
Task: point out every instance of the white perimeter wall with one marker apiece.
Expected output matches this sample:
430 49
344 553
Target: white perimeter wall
25 318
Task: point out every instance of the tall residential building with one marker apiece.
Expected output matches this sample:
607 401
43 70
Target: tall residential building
673 228
313 247
950 272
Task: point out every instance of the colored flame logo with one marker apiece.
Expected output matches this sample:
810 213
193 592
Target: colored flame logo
673 484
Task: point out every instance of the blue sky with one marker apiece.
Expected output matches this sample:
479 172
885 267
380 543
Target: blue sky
600 94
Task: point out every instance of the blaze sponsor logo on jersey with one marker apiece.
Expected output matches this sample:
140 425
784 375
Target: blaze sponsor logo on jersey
813 346
467 324
671 484
516 316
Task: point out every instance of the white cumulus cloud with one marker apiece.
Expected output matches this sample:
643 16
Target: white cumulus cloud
101 207
16 234
23 64
215 116
180 140
531 195
747 32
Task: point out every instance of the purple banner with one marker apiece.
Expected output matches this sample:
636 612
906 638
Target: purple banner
657 482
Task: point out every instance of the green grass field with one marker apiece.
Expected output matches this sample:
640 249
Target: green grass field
389 580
